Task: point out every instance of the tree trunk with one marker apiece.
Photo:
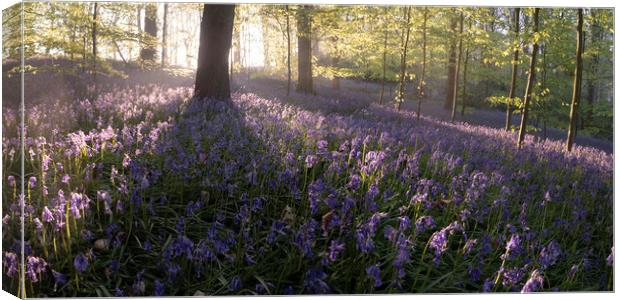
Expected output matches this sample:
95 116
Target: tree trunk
530 84
164 36
216 27
422 83
403 57
595 36
95 43
150 28
464 96
455 92
304 50
385 38
288 52
576 83
451 68
515 63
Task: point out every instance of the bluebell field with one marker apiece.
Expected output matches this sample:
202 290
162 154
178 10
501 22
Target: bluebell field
147 191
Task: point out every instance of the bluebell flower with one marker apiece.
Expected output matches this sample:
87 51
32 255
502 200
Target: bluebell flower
159 288
534 283
80 263
59 278
549 254
334 248
375 274
235 284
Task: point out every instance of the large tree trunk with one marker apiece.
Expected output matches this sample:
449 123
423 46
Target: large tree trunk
288 52
574 109
422 83
385 38
515 63
164 36
150 28
95 43
304 50
455 91
530 84
216 27
403 56
451 68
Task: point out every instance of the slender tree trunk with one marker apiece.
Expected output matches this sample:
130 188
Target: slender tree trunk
422 83
215 39
530 84
95 43
304 44
150 27
543 86
385 39
164 37
458 67
451 68
403 57
288 52
576 84
591 88
515 63
464 96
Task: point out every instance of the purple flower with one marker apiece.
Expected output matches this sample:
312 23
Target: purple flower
11 180
512 277
334 248
80 263
59 278
375 274
65 179
314 281
10 262
405 223
610 258
314 193
47 215
487 285
32 183
424 223
311 160
235 284
159 288
513 247
34 267
549 254
534 283
439 243
469 245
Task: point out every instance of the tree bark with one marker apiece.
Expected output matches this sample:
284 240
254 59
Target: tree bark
576 83
591 88
385 38
451 68
216 27
403 57
95 43
455 92
515 63
288 52
164 36
530 84
464 96
150 28
304 50
422 83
